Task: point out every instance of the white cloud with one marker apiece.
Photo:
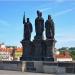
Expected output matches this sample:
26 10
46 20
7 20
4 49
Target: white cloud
65 38
4 23
65 41
63 12
60 1
45 9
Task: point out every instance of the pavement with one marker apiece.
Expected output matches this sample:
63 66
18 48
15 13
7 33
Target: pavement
6 72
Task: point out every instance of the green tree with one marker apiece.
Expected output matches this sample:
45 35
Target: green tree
72 48
73 54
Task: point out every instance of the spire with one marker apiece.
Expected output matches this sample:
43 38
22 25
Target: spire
24 18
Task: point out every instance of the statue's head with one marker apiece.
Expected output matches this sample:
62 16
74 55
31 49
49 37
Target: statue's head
40 14
27 19
49 17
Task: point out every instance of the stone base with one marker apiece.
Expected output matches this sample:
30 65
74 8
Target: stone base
39 50
48 59
50 45
27 47
25 58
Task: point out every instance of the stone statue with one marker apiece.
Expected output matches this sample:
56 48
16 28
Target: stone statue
27 29
53 29
49 26
39 25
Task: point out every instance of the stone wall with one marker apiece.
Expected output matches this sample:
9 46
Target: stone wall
39 66
54 67
59 67
11 65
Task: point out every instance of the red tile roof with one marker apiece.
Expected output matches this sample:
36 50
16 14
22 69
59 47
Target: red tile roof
10 49
63 55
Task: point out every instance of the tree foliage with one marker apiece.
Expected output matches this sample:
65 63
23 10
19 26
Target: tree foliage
73 54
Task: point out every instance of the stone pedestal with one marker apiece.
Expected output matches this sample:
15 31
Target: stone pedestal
50 45
38 50
27 45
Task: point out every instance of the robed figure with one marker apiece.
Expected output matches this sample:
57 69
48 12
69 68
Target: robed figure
49 27
27 29
39 25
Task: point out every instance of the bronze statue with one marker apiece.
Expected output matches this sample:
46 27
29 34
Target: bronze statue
27 29
49 26
39 25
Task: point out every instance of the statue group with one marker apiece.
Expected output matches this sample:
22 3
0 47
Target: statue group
38 49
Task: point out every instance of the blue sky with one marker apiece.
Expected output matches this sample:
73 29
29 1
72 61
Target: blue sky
62 12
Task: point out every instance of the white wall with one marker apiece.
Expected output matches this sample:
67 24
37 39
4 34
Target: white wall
64 59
